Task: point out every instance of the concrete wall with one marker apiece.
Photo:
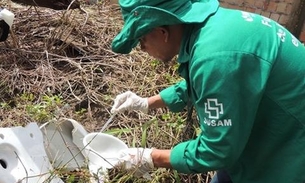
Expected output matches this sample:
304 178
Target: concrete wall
289 13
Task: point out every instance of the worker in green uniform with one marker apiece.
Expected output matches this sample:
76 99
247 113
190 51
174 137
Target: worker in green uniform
243 73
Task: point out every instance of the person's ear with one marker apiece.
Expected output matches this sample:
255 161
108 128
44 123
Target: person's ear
164 32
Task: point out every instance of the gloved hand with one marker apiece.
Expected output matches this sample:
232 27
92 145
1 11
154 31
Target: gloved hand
137 160
129 101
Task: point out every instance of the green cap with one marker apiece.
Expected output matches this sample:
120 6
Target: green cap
141 16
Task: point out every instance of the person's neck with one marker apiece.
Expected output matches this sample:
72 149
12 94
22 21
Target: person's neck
177 35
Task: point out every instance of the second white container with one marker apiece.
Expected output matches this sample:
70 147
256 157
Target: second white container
102 149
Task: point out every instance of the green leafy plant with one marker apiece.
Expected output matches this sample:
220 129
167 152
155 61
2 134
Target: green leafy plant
42 109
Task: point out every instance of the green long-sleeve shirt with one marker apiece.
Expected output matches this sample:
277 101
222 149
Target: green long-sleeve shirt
246 79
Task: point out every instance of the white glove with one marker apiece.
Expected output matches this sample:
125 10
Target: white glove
137 160
129 101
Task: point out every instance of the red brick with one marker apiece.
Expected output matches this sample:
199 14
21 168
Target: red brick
265 6
240 8
275 16
230 1
258 11
259 4
293 1
302 37
272 6
278 10
250 2
281 7
240 2
232 6
283 20
289 9
266 14
223 4
250 9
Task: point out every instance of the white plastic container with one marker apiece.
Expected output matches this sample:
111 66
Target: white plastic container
63 141
7 16
102 149
22 156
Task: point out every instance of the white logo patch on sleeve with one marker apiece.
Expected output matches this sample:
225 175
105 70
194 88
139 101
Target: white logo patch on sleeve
214 110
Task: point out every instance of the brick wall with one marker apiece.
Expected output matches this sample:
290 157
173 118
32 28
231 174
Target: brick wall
289 13
302 35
